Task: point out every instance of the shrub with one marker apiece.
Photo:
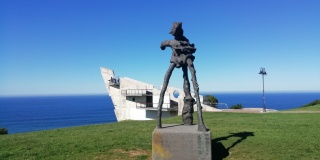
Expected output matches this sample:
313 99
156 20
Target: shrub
3 131
211 101
237 106
313 103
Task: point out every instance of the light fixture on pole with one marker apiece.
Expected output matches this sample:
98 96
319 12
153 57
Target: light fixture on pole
263 72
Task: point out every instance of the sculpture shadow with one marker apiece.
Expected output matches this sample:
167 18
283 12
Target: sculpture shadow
219 151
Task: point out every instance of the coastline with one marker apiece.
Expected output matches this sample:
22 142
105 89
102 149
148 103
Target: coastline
25 114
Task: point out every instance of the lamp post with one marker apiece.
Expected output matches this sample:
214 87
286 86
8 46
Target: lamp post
263 72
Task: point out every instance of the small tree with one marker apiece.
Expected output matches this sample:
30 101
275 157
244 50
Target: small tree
3 131
211 101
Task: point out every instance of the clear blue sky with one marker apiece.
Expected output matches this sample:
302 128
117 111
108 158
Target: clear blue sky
57 46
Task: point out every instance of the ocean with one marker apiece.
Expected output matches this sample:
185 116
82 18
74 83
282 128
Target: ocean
26 114
273 100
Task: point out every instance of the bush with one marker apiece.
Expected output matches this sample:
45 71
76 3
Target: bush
313 103
3 131
211 101
237 106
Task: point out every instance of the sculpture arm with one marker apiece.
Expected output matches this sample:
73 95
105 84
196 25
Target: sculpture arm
165 44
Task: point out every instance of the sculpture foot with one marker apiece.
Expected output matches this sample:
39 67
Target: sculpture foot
202 128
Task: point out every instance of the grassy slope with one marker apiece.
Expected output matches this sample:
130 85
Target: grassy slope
309 108
241 135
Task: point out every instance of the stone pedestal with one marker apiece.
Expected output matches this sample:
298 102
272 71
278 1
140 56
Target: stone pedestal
175 142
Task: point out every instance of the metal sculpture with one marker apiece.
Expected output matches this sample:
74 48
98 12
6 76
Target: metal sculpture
182 56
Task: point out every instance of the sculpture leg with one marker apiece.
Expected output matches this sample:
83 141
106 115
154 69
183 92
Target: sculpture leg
187 110
163 90
201 126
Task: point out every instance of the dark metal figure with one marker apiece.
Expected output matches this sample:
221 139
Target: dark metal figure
182 56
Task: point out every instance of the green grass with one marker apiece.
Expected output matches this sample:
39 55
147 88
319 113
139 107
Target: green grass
234 136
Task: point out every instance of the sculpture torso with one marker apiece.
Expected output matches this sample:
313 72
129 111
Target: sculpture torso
181 51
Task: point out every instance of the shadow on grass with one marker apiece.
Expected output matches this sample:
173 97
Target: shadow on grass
219 151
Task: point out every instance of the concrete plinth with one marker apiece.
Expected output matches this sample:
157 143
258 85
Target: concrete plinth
174 142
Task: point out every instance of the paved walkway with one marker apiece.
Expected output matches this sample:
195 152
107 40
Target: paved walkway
259 110
248 110
300 112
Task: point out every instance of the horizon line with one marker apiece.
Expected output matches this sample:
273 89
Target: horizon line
201 92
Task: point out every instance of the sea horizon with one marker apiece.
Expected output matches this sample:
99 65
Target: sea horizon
200 92
33 113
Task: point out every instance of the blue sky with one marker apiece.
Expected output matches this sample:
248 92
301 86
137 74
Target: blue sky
57 46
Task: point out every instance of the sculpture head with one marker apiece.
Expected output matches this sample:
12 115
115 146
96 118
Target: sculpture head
176 29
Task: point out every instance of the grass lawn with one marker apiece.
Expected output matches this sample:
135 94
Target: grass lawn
234 135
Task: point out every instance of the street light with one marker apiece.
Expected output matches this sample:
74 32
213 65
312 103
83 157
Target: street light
263 72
